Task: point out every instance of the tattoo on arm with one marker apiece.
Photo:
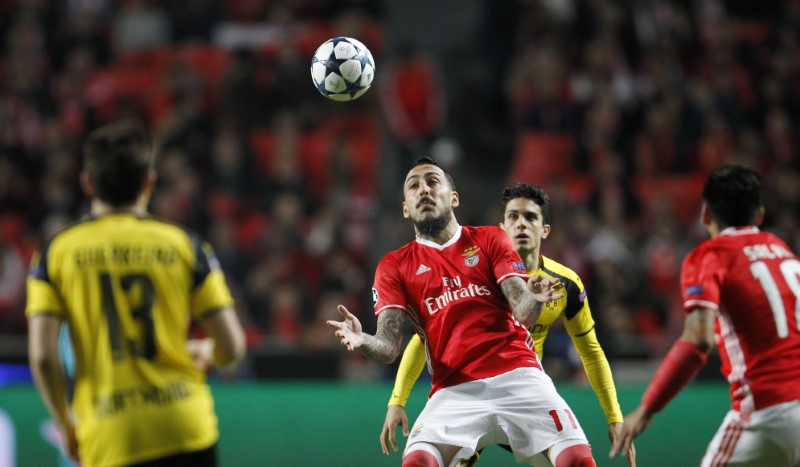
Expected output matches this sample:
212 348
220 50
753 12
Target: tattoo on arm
384 346
525 308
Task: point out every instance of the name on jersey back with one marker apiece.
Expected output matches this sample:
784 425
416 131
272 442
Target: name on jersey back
761 251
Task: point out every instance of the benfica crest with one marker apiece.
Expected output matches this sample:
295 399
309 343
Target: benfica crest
471 257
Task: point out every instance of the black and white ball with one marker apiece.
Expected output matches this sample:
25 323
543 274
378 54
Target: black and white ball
342 69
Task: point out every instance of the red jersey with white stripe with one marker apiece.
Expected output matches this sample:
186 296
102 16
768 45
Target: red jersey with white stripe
451 294
752 280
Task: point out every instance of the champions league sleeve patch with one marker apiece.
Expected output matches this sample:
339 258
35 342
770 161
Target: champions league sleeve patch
518 266
582 296
374 297
694 290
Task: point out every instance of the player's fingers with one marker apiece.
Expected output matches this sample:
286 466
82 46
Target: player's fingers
344 312
384 445
615 445
631 455
393 438
404 423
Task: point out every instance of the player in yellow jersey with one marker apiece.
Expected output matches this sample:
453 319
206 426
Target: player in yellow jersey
127 286
526 220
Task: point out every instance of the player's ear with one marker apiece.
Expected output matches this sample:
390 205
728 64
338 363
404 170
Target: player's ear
545 230
86 184
149 183
705 215
454 200
405 211
759 216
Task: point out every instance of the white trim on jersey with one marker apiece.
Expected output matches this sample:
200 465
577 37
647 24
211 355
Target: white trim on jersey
446 244
701 304
737 361
414 318
386 307
512 274
740 230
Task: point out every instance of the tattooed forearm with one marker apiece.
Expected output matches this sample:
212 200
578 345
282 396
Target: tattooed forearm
525 308
384 346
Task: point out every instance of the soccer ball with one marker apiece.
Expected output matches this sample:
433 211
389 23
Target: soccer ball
342 69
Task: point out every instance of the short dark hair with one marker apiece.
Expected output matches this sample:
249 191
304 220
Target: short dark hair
529 191
428 161
117 158
733 194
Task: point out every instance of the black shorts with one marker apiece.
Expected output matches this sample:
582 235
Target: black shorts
203 458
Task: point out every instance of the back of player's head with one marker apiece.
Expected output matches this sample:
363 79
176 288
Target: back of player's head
428 161
117 158
529 191
733 195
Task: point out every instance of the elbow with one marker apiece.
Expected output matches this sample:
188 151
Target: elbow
231 351
705 345
43 362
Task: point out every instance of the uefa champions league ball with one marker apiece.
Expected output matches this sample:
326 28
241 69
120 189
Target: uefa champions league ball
342 69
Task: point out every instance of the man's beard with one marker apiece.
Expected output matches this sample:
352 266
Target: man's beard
432 226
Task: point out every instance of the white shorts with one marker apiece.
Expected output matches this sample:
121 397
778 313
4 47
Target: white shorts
520 408
770 437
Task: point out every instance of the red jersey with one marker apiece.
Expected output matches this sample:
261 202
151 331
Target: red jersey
451 294
751 279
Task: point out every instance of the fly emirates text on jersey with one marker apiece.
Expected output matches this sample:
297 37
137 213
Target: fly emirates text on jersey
455 291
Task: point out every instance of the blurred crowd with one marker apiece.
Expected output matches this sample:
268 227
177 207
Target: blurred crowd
618 108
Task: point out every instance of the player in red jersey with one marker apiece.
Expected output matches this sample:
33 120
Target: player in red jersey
464 290
740 288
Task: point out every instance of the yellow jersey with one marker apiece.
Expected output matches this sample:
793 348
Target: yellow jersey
128 288
573 308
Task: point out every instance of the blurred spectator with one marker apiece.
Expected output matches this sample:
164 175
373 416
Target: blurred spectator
140 25
413 100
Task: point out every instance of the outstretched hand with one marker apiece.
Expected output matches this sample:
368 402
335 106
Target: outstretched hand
349 330
615 431
395 415
545 289
635 423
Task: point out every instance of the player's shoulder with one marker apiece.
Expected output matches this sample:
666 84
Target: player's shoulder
134 227
483 233
553 267
482 230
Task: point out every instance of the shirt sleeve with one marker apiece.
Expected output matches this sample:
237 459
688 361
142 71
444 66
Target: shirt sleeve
701 275
42 296
594 362
211 292
505 259
408 372
387 289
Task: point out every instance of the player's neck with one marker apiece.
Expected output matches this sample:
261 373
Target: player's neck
443 236
101 208
532 260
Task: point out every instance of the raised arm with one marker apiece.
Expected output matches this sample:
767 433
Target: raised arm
526 299
525 308
384 346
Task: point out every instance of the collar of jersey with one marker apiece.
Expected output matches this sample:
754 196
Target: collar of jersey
750 229
446 244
